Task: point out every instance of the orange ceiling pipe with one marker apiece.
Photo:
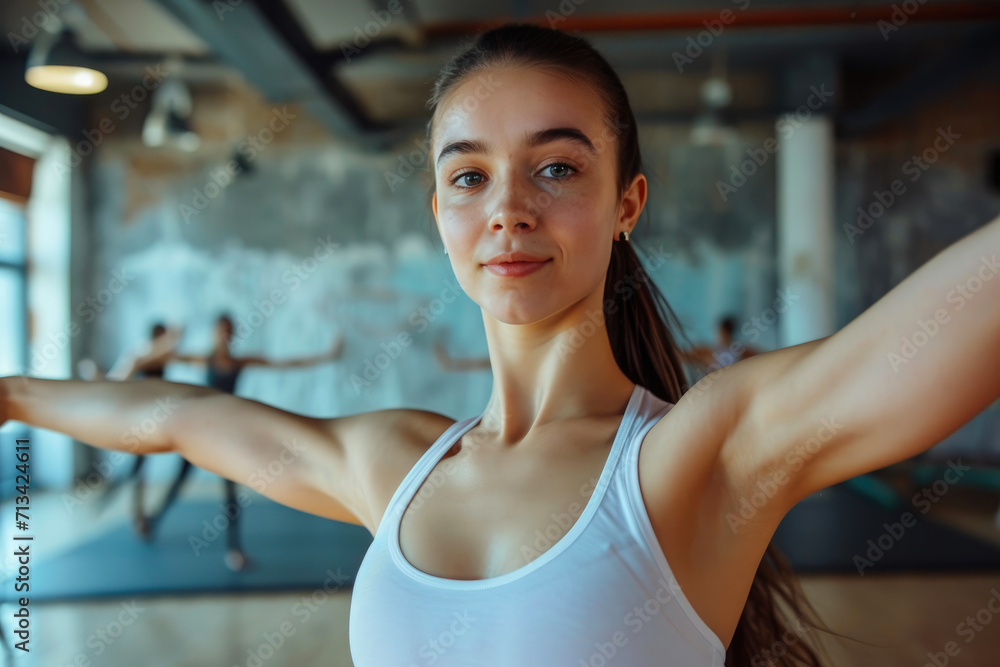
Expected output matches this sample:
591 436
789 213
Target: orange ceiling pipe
896 14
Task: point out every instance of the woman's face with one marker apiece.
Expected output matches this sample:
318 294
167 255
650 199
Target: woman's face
533 171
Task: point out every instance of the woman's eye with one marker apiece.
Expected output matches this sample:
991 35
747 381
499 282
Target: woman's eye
466 175
559 169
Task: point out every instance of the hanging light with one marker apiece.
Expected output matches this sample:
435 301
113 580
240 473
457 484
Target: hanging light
712 126
167 122
54 65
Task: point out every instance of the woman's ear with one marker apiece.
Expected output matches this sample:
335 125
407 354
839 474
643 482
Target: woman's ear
632 204
437 221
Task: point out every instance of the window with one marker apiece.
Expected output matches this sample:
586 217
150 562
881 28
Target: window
34 284
13 290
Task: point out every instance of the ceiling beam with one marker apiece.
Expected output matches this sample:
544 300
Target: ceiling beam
262 40
737 16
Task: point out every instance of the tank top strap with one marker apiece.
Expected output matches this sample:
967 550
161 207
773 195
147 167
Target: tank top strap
415 477
635 422
651 410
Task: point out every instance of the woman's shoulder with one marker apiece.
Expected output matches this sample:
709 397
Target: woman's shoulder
392 433
420 429
387 444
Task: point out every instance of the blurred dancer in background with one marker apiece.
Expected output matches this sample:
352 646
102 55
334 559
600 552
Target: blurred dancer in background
149 361
222 373
724 351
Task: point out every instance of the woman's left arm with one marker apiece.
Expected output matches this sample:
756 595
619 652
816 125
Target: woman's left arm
898 379
335 352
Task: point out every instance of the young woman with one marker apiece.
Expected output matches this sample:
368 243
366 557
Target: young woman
586 516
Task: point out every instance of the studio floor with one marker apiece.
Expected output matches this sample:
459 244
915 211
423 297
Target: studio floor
906 616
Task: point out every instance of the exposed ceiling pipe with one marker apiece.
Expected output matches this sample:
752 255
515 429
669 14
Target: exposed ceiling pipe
739 18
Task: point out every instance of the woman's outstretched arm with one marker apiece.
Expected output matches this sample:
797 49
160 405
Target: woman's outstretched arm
158 353
295 460
906 373
135 416
188 358
152 353
335 352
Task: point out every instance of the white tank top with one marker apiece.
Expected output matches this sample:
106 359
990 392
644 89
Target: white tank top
603 594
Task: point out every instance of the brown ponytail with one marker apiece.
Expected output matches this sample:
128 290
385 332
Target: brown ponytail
640 323
648 354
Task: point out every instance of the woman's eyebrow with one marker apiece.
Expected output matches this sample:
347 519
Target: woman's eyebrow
556 133
463 147
466 146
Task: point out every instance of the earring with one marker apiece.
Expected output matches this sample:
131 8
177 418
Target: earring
624 236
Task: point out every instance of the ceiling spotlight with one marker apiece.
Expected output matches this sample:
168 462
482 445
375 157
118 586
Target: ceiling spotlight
713 126
167 123
54 64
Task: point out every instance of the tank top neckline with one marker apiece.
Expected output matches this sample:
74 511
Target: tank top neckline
593 503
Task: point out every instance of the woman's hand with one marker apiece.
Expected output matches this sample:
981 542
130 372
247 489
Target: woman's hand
9 386
4 410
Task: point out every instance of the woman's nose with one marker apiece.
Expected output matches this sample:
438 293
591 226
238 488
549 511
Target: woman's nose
513 207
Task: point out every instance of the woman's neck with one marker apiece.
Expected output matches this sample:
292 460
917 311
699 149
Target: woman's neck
544 376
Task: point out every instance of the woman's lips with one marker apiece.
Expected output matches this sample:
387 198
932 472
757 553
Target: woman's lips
515 269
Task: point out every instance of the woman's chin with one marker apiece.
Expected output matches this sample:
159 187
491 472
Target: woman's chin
507 314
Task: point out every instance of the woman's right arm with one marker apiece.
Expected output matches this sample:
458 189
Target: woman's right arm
296 460
188 358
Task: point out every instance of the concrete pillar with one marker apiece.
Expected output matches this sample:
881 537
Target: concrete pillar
805 229
804 181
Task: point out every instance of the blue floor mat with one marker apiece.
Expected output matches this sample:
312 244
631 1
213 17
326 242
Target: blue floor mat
292 550
288 550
